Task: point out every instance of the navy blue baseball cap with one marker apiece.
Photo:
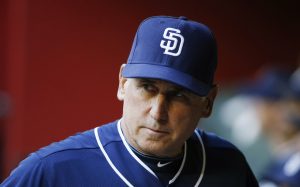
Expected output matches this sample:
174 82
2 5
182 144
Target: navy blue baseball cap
173 49
272 84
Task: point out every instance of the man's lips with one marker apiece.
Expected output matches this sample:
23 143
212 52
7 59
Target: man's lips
157 130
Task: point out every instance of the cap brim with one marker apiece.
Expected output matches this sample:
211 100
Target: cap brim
166 74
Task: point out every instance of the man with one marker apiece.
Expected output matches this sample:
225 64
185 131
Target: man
284 170
166 87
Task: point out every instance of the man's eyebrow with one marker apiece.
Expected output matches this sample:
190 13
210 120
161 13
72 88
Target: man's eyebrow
184 91
146 80
175 88
154 81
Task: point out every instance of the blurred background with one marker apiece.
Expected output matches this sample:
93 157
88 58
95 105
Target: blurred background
59 64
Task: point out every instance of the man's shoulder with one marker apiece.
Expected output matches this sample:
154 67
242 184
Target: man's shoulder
56 160
216 144
76 148
225 158
82 141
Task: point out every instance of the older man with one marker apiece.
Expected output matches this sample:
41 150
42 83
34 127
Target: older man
166 87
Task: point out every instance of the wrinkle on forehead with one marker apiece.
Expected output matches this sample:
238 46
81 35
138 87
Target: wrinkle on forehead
165 84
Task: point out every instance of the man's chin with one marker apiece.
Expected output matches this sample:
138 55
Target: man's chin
157 149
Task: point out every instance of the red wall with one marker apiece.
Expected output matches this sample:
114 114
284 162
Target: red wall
2 77
60 59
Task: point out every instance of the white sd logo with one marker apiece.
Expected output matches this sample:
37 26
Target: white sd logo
171 44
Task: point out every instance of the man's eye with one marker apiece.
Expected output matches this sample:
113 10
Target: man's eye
179 94
148 87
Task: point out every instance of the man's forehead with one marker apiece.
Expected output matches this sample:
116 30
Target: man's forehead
159 81
166 84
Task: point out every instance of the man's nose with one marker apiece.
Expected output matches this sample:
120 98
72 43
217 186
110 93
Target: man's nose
159 108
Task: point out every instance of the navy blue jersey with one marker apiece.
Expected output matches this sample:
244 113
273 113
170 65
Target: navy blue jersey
102 157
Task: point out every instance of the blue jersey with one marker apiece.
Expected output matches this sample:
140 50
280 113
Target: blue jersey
102 157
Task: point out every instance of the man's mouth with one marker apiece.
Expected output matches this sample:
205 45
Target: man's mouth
157 131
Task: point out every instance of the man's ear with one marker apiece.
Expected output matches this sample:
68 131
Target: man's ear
210 101
122 80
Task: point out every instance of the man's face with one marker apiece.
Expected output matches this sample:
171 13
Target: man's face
158 117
